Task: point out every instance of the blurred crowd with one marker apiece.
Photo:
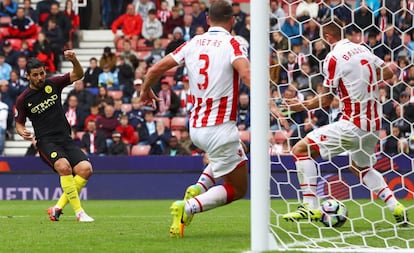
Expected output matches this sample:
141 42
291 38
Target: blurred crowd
103 108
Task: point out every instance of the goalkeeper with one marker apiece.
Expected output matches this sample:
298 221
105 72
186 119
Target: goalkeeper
352 72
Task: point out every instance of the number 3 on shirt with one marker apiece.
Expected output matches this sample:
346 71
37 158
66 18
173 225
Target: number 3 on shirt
203 71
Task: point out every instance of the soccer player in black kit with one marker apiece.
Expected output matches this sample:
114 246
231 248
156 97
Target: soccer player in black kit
41 102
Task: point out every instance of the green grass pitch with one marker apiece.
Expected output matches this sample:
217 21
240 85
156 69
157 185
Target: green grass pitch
142 226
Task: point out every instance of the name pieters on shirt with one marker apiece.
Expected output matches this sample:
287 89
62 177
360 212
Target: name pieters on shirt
354 51
208 43
45 104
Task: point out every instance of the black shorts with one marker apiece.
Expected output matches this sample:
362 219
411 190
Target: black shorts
51 150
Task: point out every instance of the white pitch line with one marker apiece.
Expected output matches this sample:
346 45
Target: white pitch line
343 236
14 216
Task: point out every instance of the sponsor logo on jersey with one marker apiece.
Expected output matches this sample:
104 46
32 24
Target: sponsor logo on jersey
48 89
45 104
53 154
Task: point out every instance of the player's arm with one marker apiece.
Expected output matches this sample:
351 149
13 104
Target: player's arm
153 75
242 66
23 132
321 100
384 72
77 70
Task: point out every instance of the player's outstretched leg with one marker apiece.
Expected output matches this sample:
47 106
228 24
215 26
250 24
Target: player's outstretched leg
54 213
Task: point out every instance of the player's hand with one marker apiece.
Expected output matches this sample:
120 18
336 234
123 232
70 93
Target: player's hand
148 98
70 55
293 104
27 135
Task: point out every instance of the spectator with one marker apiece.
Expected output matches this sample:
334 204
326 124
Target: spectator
164 12
131 23
307 9
125 76
93 115
15 82
136 115
185 140
325 11
245 31
102 99
400 121
199 17
29 11
174 148
94 141
21 70
43 10
117 147
127 131
277 16
172 22
10 54
177 41
142 7
130 56
74 114
152 28
92 74
156 54
5 68
107 123
290 70
239 16
393 143
154 133
62 21
292 30
108 57
319 53
243 114
108 79
56 41
301 131
22 26
110 12
304 77
375 45
4 111
75 21
343 11
169 102
85 98
279 42
8 96
312 30
373 5
137 87
43 52
392 42
188 27
384 18
25 49
8 8
363 18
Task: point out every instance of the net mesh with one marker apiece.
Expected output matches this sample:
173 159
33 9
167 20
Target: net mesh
296 58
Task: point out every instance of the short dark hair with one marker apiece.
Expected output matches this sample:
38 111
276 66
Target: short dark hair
334 28
220 11
33 63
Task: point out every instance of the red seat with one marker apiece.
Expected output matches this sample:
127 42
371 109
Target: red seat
141 46
4 31
5 21
140 150
16 43
115 94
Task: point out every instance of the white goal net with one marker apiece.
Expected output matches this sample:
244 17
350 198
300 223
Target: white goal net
296 55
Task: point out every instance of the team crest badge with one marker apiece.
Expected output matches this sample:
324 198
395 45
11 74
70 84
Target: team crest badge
53 154
48 89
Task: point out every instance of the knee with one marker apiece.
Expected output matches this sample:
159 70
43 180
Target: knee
63 167
83 169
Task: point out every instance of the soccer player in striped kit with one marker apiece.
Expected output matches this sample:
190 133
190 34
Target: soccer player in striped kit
352 72
216 61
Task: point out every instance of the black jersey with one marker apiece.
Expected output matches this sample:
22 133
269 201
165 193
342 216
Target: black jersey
44 109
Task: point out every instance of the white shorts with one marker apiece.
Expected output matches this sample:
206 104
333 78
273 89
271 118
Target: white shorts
222 144
342 136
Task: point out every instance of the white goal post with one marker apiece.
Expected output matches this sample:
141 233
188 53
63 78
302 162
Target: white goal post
268 229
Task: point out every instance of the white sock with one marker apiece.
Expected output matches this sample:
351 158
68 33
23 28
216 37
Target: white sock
376 183
307 175
216 196
206 179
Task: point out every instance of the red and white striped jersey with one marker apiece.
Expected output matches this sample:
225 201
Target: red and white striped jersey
351 69
214 84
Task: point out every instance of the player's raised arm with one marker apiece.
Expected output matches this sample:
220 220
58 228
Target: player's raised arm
321 100
147 96
77 71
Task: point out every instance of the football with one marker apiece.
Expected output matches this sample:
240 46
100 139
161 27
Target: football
334 213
